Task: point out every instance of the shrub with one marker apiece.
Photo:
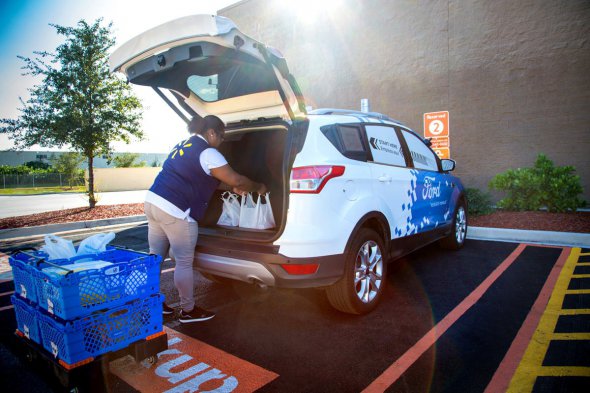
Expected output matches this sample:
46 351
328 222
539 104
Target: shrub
544 185
23 170
478 202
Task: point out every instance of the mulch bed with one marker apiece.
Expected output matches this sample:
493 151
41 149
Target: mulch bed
72 215
542 221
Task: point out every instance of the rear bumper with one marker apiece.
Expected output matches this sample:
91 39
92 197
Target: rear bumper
263 266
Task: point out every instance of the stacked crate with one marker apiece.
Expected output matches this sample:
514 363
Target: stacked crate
77 315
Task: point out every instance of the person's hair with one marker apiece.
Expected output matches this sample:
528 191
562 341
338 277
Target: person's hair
198 125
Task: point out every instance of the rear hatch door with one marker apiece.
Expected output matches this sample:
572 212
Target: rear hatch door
203 65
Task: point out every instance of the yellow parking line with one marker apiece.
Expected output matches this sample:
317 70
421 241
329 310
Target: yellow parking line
570 336
577 292
580 275
567 371
575 311
583 254
531 364
583 264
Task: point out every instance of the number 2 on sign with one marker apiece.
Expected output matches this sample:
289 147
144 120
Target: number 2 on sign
436 127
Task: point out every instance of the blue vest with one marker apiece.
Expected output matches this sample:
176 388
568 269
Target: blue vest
183 182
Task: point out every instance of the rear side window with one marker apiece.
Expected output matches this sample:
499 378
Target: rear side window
385 145
348 140
423 157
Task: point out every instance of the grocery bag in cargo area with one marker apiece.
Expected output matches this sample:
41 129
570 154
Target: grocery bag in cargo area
256 215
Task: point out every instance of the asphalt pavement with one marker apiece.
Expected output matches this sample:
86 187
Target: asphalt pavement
448 322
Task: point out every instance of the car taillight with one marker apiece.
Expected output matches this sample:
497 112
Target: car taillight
311 179
301 270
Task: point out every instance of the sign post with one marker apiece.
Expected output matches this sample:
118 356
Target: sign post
436 127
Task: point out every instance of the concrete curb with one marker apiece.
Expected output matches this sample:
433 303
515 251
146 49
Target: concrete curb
16 233
550 238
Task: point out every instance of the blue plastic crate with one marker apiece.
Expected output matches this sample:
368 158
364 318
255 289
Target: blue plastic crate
101 332
23 265
26 319
131 275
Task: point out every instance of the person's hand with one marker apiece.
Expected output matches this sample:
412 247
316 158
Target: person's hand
262 190
239 191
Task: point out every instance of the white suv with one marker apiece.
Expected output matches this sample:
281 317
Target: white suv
350 191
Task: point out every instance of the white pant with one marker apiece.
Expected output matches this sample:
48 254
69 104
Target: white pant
166 232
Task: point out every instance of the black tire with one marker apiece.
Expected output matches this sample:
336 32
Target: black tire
456 238
362 286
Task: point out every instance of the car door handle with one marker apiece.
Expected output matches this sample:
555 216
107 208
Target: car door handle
384 179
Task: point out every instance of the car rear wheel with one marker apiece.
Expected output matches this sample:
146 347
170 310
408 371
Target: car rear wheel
363 283
456 238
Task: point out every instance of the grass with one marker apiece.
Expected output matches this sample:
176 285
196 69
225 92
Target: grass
40 190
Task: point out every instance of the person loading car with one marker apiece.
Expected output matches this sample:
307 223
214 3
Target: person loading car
178 199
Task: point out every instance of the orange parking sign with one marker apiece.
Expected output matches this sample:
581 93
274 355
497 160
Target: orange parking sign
442 152
436 128
436 124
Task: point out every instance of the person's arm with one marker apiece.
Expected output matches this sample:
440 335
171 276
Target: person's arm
240 183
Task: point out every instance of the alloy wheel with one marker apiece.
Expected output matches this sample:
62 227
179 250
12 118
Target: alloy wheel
368 271
460 225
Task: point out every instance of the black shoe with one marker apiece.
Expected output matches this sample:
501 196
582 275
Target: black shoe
167 310
196 315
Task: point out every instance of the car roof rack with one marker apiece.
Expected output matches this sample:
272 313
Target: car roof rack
333 111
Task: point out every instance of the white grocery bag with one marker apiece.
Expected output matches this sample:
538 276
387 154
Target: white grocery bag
58 248
95 243
256 215
266 219
230 214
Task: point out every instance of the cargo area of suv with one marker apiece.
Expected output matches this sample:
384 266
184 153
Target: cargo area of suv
259 155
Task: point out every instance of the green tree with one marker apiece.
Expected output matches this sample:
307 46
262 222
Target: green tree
79 102
68 164
127 160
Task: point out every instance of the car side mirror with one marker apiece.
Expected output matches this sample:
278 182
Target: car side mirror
428 141
447 165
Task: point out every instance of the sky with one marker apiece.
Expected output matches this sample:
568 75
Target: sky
24 28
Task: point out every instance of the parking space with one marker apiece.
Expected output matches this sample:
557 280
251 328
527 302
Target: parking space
556 356
490 317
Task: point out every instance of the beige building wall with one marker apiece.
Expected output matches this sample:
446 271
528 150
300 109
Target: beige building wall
123 179
514 75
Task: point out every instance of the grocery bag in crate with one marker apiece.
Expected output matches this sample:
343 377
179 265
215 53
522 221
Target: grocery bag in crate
78 286
60 248
102 331
26 319
23 264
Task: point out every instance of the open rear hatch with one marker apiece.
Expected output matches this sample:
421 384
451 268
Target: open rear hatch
203 65
211 68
